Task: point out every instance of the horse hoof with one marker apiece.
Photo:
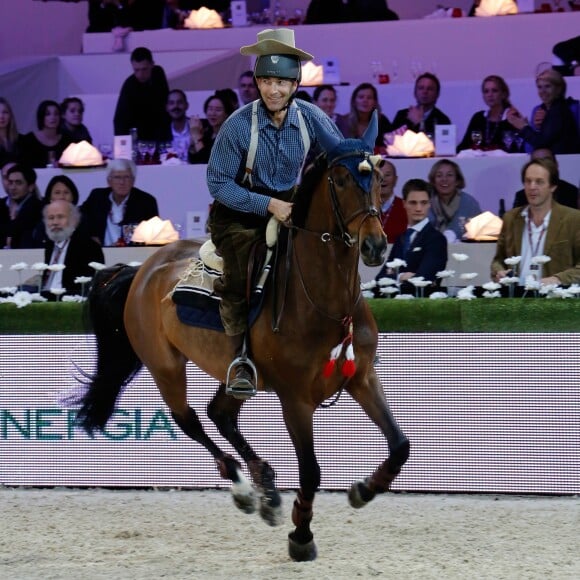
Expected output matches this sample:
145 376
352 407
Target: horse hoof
301 552
271 508
244 497
359 495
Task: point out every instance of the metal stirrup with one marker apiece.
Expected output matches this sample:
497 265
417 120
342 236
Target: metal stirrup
235 387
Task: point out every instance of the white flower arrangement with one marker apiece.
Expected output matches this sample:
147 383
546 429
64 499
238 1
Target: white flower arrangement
460 257
560 292
513 261
438 296
404 297
547 289
82 279
365 293
58 292
134 264
466 293
491 294
396 263
8 290
39 266
445 274
387 281
56 267
73 298
97 265
540 260
509 280
388 290
468 275
491 286
419 281
19 266
574 289
368 285
532 284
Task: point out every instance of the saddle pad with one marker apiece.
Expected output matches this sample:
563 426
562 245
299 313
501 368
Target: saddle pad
197 305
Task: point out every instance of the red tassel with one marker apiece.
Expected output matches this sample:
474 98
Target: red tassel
328 368
348 368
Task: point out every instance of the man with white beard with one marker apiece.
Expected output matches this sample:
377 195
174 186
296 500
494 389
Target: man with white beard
67 245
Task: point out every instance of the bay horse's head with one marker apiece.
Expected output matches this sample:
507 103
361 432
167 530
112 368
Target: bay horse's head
354 188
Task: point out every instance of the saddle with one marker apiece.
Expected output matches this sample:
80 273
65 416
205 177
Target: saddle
196 301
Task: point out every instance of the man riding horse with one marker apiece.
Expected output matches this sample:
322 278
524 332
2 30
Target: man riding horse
253 170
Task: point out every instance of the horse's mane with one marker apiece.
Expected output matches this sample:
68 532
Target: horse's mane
310 180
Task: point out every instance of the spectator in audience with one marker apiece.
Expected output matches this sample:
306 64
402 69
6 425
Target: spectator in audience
492 122
568 53
303 95
543 227
4 167
21 211
72 110
363 101
177 106
326 11
423 116
143 99
9 139
108 209
67 245
421 246
247 87
451 207
217 109
104 15
61 187
553 124
565 193
43 147
393 215
231 96
324 97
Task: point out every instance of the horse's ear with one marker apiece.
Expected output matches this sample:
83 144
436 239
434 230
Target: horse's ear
372 131
328 141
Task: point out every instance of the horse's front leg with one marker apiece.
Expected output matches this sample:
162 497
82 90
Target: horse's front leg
370 396
299 417
224 411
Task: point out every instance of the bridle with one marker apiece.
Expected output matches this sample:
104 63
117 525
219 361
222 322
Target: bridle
370 209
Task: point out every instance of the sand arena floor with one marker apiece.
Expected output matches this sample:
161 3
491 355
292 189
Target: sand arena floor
103 534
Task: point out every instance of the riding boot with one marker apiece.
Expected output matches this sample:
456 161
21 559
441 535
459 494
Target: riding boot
242 384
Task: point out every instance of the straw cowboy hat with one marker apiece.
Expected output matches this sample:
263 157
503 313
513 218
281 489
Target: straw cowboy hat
275 41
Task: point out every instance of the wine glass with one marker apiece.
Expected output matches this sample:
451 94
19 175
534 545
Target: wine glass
476 139
142 148
508 138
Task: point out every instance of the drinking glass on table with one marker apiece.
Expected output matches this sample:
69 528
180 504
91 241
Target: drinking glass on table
476 139
508 138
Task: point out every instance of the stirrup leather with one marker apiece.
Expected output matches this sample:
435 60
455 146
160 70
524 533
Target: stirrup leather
241 388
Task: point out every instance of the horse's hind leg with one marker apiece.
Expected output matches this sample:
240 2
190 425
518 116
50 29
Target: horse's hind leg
172 383
371 398
224 411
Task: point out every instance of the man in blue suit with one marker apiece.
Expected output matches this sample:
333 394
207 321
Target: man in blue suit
421 246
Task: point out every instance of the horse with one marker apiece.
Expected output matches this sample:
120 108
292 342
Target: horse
314 338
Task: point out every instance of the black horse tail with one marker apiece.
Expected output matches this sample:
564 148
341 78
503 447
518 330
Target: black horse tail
117 362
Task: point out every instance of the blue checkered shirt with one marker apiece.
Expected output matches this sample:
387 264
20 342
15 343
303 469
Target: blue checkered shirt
278 161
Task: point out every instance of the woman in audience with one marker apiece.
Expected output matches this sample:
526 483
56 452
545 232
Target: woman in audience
363 102
324 97
72 110
61 187
44 146
553 125
217 109
451 207
8 133
491 123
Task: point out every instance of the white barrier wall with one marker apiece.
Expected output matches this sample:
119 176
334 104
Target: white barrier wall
485 413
